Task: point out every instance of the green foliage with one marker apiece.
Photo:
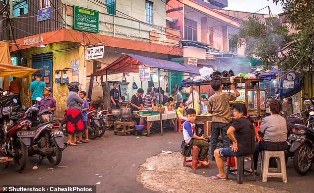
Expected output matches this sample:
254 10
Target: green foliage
271 42
300 14
262 39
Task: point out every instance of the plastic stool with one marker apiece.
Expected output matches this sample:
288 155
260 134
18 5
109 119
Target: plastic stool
180 124
281 166
240 167
194 162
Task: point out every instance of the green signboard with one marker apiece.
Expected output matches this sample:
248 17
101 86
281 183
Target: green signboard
86 19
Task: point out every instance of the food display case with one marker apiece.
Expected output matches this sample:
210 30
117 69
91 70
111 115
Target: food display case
253 94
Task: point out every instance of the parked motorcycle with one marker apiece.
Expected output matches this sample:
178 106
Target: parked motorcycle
11 145
301 140
44 139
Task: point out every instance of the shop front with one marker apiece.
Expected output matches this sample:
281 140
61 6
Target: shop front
61 57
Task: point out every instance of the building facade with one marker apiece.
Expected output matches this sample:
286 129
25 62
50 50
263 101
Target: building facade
54 36
205 30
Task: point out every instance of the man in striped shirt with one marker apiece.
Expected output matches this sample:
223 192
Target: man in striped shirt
149 99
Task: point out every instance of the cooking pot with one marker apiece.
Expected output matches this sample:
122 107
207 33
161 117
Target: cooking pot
116 112
126 113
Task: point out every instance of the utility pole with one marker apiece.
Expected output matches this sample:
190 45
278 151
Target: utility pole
11 8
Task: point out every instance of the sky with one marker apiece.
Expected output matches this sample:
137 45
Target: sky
253 6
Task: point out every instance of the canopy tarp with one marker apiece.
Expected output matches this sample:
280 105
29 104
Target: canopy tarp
6 67
130 63
16 71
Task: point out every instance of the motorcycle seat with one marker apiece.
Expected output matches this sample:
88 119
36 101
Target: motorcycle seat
299 126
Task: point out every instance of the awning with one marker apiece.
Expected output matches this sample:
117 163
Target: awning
17 71
74 36
130 63
6 67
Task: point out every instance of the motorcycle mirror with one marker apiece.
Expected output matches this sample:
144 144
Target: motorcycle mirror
307 102
38 99
15 101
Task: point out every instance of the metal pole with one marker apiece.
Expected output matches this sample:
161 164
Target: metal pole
193 96
160 114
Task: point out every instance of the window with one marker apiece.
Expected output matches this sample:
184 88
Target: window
111 7
149 11
20 8
45 3
190 30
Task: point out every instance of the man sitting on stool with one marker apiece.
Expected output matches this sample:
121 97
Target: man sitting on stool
242 134
190 137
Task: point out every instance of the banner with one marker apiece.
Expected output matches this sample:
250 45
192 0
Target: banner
144 73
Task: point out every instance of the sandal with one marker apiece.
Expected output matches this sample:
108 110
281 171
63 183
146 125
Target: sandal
84 141
204 163
217 177
72 144
79 142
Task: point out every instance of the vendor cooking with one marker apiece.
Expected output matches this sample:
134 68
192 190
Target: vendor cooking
115 97
137 101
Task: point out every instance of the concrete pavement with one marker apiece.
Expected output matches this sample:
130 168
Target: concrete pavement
116 159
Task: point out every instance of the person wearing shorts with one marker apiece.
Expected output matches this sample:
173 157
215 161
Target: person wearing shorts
242 134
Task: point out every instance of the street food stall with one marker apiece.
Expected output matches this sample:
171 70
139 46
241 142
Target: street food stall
251 93
130 63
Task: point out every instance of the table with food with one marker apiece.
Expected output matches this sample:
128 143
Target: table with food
149 116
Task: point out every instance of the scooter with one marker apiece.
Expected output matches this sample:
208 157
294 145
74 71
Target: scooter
44 139
12 147
301 140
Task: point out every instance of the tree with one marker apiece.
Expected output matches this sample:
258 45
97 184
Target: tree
271 42
262 39
301 16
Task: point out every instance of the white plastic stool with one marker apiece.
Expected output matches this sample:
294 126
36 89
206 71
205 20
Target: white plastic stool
281 166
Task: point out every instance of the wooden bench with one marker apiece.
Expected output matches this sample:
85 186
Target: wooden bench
123 128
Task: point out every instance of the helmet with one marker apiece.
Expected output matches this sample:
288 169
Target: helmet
74 86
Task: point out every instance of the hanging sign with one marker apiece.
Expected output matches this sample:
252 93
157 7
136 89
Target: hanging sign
144 73
291 83
86 19
44 14
95 52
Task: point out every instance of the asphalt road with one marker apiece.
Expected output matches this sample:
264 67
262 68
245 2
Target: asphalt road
113 162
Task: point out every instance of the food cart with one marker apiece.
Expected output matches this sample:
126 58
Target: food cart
251 94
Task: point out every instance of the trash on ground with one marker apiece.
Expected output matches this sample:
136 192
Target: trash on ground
166 152
96 174
137 137
62 166
150 168
50 168
35 167
98 183
100 176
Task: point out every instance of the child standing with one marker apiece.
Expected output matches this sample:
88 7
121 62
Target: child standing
85 107
180 111
190 137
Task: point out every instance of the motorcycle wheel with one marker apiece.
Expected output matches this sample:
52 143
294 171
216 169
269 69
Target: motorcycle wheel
57 157
20 158
301 161
92 132
102 129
